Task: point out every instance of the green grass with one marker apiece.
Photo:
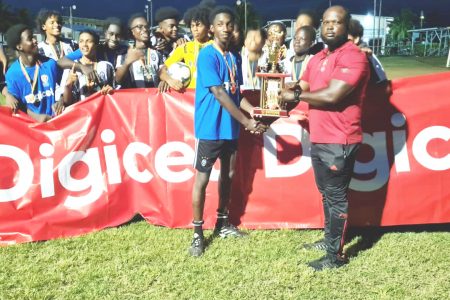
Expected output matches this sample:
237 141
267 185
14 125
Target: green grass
408 66
141 261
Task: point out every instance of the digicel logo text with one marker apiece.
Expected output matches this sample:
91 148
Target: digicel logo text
96 184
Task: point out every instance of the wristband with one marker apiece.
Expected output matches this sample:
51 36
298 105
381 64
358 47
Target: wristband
297 93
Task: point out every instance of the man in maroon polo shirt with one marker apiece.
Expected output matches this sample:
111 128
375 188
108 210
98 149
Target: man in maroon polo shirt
334 85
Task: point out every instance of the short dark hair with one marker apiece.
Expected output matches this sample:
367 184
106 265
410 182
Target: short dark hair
14 35
43 15
197 13
113 21
221 10
165 13
92 33
134 17
309 30
355 28
311 14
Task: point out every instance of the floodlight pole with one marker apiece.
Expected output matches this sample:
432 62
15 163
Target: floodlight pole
239 2
374 24
70 7
151 13
421 19
379 42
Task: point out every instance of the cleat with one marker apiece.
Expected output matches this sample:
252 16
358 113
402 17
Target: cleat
197 246
328 262
318 245
229 230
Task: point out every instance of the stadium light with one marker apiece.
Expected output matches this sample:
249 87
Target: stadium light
421 19
70 7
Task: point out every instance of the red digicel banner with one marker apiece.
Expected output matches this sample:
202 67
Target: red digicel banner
110 157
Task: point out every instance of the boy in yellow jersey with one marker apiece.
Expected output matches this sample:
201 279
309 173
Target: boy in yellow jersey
197 17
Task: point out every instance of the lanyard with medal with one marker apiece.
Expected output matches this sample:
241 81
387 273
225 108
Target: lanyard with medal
30 98
295 72
55 52
146 66
231 70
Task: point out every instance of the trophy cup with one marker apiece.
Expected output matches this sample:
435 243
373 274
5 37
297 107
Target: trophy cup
272 82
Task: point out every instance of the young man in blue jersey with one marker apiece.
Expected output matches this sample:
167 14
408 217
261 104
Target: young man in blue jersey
32 79
217 120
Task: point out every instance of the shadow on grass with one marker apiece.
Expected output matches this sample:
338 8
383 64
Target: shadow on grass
367 237
210 239
137 218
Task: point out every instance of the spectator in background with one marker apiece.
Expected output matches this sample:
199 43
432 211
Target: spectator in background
198 19
3 67
355 34
166 38
140 67
78 86
304 38
251 54
304 18
53 45
276 35
32 79
237 39
112 50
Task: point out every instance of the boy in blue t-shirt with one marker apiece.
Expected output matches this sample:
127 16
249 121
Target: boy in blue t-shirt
32 78
217 118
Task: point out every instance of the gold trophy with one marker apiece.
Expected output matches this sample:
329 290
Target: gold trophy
272 82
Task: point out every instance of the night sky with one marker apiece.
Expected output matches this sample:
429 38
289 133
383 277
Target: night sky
437 12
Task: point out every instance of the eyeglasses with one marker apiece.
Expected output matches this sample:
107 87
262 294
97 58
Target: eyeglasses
140 27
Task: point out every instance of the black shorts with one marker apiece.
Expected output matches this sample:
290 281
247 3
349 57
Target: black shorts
207 152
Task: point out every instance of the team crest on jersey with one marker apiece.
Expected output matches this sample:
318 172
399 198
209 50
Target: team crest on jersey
44 79
153 56
203 162
102 76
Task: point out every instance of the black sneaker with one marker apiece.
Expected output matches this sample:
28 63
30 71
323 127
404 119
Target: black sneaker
197 247
229 230
327 262
318 245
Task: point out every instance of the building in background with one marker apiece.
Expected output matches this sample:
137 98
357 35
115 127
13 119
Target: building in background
79 24
376 30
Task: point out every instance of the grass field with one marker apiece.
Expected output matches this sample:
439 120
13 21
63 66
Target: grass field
141 261
407 66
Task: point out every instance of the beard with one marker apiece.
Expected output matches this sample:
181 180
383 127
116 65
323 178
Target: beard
335 42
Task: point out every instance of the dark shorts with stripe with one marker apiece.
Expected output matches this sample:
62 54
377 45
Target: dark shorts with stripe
207 152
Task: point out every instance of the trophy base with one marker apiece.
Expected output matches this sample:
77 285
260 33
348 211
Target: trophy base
270 113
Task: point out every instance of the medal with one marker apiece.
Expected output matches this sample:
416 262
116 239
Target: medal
233 88
231 70
146 66
30 97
